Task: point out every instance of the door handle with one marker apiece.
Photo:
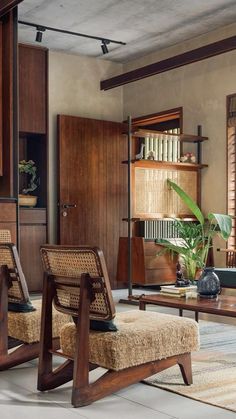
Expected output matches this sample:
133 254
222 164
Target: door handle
66 206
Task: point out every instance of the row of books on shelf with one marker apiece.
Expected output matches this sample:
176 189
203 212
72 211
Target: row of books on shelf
173 291
162 229
162 147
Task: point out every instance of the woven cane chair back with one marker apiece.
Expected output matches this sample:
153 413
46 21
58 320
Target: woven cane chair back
66 264
18 290
5 236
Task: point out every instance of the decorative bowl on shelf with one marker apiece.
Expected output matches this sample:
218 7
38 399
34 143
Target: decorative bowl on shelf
27 200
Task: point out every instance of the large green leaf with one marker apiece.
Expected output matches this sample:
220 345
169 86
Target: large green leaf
224 222
194 208
171 246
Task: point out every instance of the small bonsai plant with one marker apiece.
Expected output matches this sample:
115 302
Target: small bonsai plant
195 238
29 168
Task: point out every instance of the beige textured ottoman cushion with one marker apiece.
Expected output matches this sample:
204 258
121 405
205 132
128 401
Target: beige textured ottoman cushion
142 336
26 326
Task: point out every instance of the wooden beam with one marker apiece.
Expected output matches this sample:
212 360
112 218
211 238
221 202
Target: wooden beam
7 5
198 54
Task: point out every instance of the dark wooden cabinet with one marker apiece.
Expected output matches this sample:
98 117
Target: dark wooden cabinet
33 116
33 233
147 268
32 89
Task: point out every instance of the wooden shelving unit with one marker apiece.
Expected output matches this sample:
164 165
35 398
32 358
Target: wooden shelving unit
150 199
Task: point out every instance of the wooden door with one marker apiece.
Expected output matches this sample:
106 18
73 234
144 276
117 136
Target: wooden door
92 185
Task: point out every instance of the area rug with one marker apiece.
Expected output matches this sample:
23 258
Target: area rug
214 369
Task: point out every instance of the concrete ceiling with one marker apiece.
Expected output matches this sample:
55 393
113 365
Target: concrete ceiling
145 25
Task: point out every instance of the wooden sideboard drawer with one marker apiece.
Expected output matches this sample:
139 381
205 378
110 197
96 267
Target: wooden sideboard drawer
33 216
147 267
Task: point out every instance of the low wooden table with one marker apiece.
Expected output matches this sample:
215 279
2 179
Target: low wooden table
223 305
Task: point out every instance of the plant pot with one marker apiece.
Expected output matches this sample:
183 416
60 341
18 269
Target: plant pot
208 285
27 200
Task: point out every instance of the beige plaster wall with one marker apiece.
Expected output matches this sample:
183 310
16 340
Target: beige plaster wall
201 89
74 89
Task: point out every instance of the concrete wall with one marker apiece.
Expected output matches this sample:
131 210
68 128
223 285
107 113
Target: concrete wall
201 89
74 89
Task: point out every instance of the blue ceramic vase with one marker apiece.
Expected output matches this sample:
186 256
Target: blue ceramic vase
208 285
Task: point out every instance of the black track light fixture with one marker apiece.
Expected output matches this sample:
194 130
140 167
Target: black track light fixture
104 44
40 29
39 34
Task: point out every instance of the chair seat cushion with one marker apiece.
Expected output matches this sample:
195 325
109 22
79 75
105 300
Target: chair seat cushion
142 337
26 326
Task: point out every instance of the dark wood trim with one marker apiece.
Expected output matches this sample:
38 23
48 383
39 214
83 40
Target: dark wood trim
168 115
7 5
198 54
1 104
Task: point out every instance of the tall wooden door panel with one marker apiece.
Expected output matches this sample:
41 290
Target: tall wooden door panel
92 185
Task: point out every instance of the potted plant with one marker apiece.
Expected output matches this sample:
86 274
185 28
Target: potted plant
195 238
29 168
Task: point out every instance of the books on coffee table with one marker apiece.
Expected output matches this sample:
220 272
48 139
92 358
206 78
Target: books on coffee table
173 291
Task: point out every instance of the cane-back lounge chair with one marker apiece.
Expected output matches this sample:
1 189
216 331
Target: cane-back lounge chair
145 343
19 318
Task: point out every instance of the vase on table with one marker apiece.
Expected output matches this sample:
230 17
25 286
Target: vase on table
208 285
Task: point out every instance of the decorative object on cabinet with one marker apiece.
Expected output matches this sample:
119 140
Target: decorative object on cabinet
195 239
28 168
149 198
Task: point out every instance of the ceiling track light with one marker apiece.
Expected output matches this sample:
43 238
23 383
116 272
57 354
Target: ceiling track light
40 29
39 34
104 44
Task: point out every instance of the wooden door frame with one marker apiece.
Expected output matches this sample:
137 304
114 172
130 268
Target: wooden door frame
7 5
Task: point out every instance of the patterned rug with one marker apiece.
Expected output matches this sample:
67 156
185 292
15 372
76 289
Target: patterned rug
214 369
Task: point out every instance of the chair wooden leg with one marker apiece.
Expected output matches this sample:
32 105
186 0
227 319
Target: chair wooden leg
3 311
23 353
186 368
113 381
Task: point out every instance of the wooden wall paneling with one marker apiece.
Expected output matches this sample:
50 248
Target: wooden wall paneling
32 89
6 181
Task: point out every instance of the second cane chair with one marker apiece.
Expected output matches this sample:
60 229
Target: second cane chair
145 343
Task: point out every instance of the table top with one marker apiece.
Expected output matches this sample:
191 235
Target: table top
222 305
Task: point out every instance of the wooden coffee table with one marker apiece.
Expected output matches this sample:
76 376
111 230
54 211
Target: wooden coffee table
223 305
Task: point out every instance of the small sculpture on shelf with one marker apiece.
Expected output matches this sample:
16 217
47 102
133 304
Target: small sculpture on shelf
28 168
180 281
188 158
139 156
151 155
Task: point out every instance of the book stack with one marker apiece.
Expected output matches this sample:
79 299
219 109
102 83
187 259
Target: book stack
162 147
173 291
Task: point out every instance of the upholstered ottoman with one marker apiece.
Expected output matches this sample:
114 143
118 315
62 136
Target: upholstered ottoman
142 336
26 326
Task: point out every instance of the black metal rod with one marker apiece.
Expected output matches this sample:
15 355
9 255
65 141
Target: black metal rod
199 145
43 27
129 208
